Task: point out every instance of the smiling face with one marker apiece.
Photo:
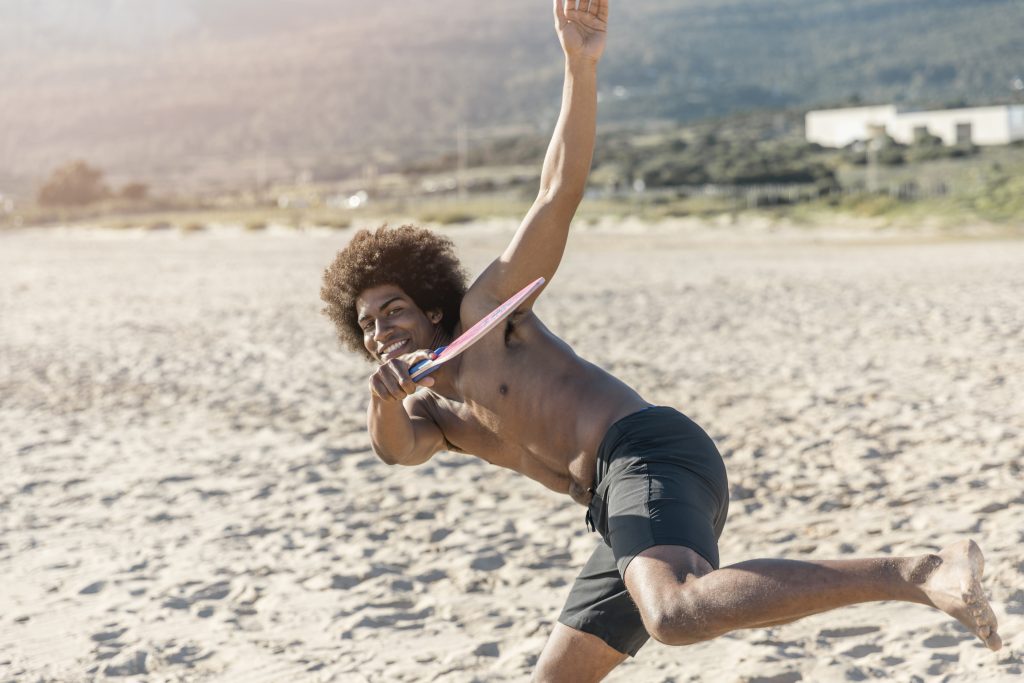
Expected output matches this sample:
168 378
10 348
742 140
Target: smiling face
392 323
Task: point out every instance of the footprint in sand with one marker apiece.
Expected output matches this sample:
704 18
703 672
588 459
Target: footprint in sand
858 651
187 654
848 632
131 664
432 576
487 650
941 663
487 562
787 677
107 641
215 591
104 636
344 581
1015 603
943 641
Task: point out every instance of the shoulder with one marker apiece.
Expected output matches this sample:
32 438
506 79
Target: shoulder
479 301
476 304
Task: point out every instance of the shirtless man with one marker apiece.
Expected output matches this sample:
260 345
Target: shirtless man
652 481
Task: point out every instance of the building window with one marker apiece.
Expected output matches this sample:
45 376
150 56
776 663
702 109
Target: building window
964 134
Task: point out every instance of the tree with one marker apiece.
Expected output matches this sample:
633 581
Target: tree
73 184
135 192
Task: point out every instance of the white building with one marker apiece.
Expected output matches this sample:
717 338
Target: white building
999 125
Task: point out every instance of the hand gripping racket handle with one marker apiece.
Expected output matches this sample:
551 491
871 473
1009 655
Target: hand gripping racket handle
418 371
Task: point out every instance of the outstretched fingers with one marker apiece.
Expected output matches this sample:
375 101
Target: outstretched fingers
598 8
593 15
560 17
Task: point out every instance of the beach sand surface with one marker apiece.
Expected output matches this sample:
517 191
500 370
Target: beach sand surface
189 493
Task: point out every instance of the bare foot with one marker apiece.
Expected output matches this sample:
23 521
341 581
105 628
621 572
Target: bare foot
951 581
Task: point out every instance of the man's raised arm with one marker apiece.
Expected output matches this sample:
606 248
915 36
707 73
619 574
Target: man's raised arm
537 247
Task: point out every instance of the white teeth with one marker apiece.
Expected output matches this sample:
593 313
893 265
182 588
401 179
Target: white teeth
392 347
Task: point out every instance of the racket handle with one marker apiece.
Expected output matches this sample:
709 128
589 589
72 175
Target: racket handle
415 371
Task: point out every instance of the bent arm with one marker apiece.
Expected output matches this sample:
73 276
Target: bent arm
537 247
401 438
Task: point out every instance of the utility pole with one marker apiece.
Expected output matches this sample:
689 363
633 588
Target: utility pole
874 146
461 153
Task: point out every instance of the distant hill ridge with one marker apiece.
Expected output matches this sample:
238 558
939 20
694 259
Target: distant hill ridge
206 90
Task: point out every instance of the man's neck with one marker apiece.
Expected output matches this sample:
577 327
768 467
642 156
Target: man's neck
441 338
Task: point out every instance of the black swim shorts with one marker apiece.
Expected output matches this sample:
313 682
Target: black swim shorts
660 481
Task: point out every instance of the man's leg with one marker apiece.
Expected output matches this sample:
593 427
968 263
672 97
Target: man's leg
572 656
682 600
599 625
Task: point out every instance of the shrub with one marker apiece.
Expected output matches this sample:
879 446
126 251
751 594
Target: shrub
74 184
447 217
135 192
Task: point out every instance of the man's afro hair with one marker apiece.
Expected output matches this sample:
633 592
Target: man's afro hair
421 262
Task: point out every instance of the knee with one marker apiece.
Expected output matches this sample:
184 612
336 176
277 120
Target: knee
679 622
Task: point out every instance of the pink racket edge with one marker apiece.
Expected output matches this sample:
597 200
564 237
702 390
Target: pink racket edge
470 336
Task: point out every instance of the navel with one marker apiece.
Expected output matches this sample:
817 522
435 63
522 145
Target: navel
503 389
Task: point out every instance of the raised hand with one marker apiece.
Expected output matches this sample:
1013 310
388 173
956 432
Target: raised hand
582 27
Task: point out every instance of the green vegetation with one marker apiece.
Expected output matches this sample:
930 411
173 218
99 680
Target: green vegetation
337 223
79 184
1001 197
750 162
447 217
761 161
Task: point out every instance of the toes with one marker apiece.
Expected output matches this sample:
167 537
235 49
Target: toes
993 641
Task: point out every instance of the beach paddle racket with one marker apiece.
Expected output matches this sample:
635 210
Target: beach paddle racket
473 334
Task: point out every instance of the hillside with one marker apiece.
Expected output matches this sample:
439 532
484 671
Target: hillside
231 90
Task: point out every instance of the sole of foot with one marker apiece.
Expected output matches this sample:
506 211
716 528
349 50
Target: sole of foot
955 588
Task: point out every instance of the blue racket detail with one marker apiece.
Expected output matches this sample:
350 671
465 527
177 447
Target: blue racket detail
413 371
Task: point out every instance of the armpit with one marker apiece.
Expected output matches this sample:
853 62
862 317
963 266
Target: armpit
511 325
448 445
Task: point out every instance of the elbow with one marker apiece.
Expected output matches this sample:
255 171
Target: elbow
560 196
385 456
393 459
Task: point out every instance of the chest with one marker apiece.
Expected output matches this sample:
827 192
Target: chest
493 388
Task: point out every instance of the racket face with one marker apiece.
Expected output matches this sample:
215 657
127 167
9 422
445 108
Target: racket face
474 333
486 323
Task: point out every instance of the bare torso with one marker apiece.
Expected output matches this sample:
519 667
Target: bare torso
521 398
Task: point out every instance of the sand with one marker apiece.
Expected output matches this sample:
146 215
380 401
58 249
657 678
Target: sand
189 493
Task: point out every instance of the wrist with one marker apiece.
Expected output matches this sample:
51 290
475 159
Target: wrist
383 402
576 63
